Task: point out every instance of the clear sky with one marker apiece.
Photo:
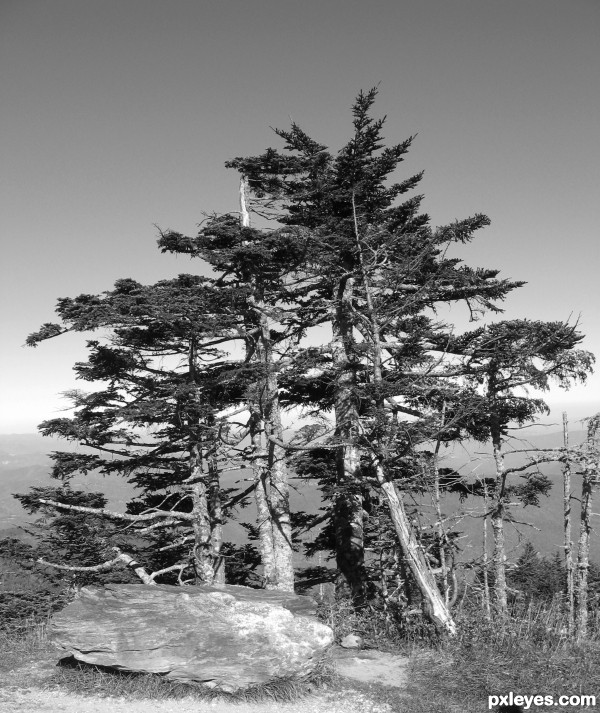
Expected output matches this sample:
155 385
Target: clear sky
118 114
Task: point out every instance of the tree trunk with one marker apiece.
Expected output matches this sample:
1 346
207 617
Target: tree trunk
486 578
279 497
497 518
435 605
583 557
433 602
567 528
270 477
499 558
441 533
272 489
263 521
196 486
348 503
215 511
203 563
589 461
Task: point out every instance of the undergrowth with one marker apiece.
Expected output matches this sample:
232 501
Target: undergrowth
527 652
386 630
21 641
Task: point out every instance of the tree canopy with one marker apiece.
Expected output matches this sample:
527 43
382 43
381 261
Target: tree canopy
327 312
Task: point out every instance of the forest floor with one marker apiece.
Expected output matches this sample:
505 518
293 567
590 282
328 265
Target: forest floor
363 682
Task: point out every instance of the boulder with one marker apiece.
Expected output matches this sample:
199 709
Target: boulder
227 637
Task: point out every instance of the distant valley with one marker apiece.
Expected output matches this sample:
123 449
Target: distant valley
24 462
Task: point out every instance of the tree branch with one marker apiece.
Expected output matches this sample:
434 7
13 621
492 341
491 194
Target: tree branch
112 515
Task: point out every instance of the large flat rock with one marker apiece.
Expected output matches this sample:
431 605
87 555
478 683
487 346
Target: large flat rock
229 637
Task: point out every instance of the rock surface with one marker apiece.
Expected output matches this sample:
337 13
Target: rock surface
370 666
230 637
351 641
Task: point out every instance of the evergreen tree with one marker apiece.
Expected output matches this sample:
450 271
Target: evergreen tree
385 388
261 268
373 270
156 420
536 577
500 362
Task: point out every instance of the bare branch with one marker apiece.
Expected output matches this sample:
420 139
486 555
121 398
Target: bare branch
102 567
172 568
289 447
112 515
105 566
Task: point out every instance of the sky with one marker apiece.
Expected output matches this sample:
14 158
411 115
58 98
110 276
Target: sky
117 117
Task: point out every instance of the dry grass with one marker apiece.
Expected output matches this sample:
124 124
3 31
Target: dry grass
386 631
101 682
527 653
22 642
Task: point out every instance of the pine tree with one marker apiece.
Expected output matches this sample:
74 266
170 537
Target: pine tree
373 270
347 254
501 361
260 268
156 422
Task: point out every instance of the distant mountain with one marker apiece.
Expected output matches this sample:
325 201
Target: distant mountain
24 463
543 525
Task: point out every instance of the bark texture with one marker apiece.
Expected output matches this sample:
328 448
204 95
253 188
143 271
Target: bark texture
497 519
583 558
348 504
567 528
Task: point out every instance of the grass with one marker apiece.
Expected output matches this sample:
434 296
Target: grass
527 653
378 629
102 682
21 642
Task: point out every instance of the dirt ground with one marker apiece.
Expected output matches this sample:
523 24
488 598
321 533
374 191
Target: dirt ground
28 688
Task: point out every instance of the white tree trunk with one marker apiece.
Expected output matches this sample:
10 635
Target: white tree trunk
272 489
435 606
499 557
583 558
567 528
